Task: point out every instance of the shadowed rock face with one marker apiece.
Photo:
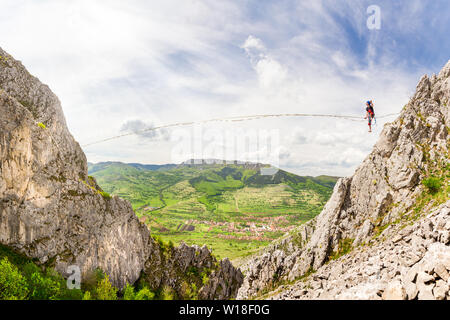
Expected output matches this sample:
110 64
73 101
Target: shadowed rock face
384 186
52 211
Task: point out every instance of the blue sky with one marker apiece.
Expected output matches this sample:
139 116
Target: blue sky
116 64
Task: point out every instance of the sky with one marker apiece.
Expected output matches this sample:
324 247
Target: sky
122 66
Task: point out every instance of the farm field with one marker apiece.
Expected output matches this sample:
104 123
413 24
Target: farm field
232 208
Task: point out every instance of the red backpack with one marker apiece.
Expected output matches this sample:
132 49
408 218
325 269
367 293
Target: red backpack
370 108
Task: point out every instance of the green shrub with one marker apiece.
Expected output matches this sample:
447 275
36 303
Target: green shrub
192 271
344 247
13 285
92 279
43 126
167 293
189 291
29 269
70 294
205 279
44 287
105 195
433 184
105 290
21 279
144 294
164 246
128 293
48 285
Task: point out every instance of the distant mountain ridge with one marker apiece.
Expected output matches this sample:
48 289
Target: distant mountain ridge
93 167
279 177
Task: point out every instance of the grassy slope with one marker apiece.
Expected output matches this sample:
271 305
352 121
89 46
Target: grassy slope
232 209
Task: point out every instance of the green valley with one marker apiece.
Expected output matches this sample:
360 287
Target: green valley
232 208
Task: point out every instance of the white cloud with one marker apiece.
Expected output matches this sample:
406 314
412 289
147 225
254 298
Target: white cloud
145 130
170 61
253 43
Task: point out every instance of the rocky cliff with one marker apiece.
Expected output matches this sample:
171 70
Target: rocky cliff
51 211
382 232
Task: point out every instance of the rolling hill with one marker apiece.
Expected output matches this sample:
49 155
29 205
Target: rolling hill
232 208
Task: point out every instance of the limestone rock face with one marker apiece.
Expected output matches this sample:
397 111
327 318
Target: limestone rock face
414 267
383 189
52 211
177 266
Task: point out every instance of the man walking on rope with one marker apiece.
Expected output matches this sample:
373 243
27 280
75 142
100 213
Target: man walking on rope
370 114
